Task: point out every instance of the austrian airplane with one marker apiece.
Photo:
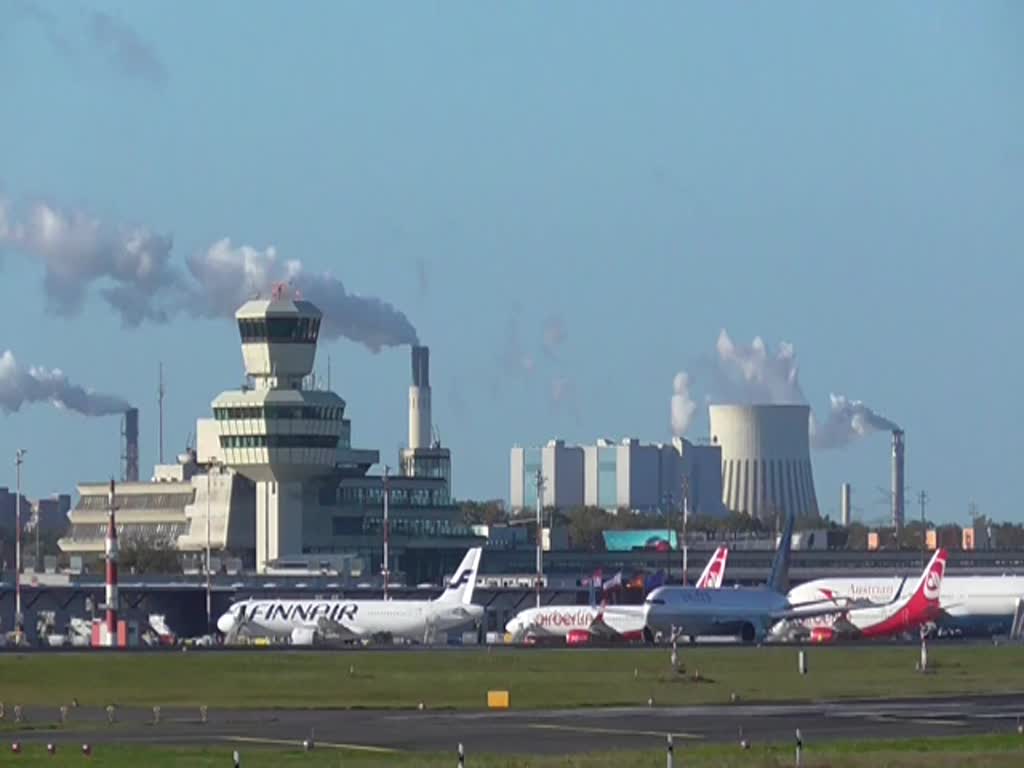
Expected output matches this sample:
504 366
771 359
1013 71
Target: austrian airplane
915 610
968 604
416 620
579 624
749 612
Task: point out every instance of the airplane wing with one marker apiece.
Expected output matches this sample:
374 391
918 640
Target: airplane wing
817 608
600 628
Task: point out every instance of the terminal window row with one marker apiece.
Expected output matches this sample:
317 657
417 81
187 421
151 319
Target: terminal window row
129 532
278 441
288 330
139 501
309 412
374 496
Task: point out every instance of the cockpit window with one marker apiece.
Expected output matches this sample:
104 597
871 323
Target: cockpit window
655 601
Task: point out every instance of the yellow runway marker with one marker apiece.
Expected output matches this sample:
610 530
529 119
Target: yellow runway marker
295 743
612 731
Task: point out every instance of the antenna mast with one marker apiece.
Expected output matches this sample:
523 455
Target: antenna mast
160 403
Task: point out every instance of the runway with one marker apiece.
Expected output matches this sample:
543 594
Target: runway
538 732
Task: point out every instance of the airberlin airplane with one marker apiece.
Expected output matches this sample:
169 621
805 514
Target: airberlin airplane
900 615
579 624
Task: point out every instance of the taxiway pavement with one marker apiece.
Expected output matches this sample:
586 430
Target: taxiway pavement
536 732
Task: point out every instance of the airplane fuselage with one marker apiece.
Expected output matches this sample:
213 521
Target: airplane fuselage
968 603
692 611
408 619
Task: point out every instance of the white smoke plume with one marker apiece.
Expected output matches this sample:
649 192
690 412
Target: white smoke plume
76 249
683 406
749 374
847 421
34 385
113 38
125 49
133 271
554 335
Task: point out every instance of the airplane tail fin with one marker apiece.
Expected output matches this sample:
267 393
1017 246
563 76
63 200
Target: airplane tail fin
926 593
779 578
460 587
714 571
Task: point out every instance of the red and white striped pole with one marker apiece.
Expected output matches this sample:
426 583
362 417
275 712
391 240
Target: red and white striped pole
111 552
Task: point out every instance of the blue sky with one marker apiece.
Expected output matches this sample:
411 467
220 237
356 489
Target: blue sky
845 177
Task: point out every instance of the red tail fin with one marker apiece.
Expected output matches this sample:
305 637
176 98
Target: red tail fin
925 598
714 571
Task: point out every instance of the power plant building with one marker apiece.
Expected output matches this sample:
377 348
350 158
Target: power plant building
276 476
560 465
630 475
766 459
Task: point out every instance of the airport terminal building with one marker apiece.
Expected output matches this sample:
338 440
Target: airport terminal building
274 480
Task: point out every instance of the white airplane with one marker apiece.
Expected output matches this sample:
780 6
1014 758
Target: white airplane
916 609
416 620
749 612
579 624
968 604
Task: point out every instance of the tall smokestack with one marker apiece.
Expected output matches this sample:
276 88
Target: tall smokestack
844 505
419 399
897 479
130 446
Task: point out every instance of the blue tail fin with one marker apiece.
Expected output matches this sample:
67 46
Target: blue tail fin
779 578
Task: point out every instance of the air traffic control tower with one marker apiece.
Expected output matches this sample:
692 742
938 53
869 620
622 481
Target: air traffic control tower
275 432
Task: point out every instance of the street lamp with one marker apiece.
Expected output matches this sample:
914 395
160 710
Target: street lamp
386 569
209 601
19 458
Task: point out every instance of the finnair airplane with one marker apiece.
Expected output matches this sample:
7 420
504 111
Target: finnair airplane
749 612
416 620
579 624
968 604
918 609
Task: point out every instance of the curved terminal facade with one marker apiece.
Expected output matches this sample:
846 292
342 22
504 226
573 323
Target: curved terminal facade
766 459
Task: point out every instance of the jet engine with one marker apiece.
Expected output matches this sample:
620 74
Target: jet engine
823 635
578 637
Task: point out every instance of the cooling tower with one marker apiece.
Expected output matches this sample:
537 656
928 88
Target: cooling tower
766 459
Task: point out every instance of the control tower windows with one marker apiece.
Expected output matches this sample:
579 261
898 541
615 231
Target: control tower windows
278 441
279 330
309 412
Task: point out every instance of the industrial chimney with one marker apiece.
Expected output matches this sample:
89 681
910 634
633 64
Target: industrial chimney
897 479
419 399
845 505
130 445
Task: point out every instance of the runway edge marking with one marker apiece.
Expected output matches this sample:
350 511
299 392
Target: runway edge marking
612 731
295 742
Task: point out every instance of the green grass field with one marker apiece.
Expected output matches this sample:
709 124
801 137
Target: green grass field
979 752
561 678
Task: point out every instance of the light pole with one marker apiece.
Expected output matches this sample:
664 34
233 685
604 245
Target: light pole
686 519
540 532
386 532
209 596
19 458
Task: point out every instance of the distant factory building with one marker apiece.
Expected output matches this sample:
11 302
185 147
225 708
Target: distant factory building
629 475
274 478
560 465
